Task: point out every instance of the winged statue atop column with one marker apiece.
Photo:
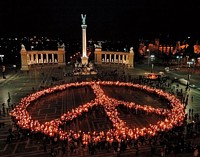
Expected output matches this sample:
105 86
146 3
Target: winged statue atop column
83 18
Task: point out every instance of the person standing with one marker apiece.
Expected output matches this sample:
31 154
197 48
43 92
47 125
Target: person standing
45 144
162 152
8 95
3 71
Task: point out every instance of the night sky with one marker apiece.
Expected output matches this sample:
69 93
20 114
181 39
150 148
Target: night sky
106 19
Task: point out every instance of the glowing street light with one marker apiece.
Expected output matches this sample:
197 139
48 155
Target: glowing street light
189 63
178 57
152 65
1 56
187 58
148 55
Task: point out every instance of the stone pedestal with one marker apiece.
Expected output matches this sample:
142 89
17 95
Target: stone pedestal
61 56
24 60
84 60
98 56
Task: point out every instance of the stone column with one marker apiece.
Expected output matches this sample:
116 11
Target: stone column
84 58
28 58
32 58
42 60
36 58
47 57
126 59
52 57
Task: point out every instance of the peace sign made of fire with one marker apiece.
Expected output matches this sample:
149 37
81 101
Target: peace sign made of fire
173 116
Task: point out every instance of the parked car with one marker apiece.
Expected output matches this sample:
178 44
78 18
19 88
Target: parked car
192 86
183 81
167 69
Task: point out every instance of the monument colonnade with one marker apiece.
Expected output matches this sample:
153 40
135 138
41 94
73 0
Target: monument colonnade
29 58
126 58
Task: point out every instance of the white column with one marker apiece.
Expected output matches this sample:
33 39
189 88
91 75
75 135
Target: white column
114 58
110 58
123 59
29 58
42 58
32 58
84 58
84 43
105 57
52 58
47 57
36 58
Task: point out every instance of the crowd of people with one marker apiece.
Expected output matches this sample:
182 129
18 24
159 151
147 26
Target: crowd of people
177 140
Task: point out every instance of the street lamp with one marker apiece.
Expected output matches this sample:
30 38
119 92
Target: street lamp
3 67
187 57
152 65
3 71
152 57
194 64
188 78
148 56
178 57
1 56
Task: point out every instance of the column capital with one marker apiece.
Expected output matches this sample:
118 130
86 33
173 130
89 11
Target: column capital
84 26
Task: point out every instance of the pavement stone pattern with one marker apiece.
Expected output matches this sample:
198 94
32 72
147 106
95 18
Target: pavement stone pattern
21 84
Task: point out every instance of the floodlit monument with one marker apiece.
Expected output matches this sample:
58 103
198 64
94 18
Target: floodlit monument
84 67
84 58
34 57
111 57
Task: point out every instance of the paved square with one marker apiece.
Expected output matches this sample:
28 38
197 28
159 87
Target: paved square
54 105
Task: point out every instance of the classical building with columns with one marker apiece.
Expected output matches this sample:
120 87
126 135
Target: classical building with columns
34 57
105 57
